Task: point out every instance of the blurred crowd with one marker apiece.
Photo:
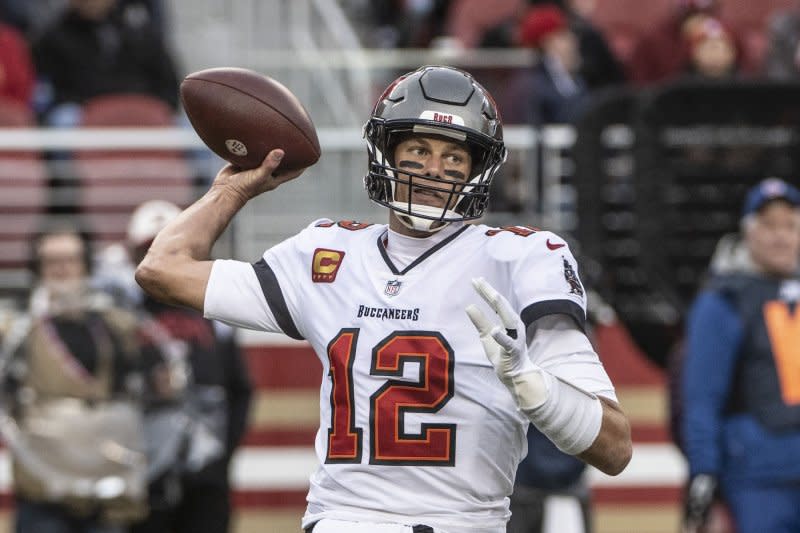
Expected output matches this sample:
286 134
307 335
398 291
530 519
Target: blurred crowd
121 414
59 54
580 48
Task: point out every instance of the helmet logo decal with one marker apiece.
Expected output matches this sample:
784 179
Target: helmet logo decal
444 118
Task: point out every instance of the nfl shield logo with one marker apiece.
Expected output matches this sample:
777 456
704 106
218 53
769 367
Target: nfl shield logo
392 287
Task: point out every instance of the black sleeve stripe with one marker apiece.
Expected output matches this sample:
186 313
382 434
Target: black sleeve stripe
554 307
275 300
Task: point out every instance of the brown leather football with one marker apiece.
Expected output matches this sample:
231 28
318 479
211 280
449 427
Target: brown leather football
242 115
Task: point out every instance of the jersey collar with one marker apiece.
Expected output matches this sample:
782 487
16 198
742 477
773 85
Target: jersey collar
430 251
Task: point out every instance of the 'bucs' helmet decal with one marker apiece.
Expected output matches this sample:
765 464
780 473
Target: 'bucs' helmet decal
441 101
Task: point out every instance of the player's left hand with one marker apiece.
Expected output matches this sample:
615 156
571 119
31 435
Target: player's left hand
506 347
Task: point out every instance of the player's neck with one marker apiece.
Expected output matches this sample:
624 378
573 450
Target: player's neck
403 248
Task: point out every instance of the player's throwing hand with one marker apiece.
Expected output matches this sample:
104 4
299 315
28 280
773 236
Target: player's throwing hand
248 184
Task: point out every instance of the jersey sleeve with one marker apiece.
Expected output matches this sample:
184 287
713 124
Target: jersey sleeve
266 295
234 296
545 280
557 344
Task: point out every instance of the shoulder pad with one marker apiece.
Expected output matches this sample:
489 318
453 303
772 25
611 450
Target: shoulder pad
326 233
321 222
512 242
351 225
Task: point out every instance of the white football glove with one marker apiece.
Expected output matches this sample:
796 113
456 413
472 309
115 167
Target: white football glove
507 350
568 416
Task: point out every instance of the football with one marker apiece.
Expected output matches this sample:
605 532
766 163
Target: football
242 115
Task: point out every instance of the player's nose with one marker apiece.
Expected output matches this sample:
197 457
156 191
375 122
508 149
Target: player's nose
434 166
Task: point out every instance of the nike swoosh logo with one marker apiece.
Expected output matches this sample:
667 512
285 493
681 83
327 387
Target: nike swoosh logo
554 246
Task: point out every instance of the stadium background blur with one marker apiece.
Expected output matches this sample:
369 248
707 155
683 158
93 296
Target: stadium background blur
643 185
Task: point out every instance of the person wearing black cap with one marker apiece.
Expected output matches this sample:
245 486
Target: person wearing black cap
741 375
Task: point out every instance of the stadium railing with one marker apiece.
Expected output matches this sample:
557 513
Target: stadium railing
332 188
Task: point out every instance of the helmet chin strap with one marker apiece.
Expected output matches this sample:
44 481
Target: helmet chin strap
422 224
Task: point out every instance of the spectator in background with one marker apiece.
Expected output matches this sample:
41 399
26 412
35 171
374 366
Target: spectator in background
741 401
72 388
150 13
662 52
30 16
713 51
404 24
783 54
468 21
192 494
549 92
599 66
16 68
92 49
552 91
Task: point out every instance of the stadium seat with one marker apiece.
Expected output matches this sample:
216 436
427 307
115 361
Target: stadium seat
114 182
468 20
623 22
629 16
23 190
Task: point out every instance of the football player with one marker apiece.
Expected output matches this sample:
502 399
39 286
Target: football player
440 341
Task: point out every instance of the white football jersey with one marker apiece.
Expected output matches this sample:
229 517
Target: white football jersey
415 427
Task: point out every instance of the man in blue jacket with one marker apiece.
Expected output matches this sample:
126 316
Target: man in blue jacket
741 379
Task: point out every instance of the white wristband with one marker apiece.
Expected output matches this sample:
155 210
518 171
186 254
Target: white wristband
570 417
